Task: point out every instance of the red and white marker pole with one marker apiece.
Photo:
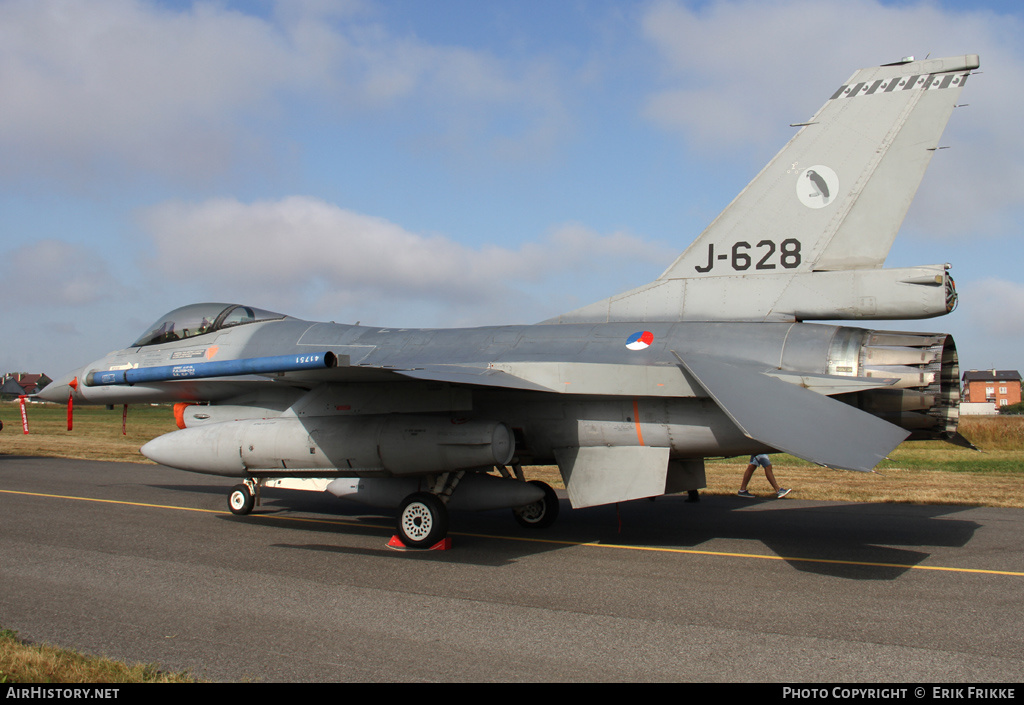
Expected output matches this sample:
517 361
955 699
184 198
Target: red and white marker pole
24 416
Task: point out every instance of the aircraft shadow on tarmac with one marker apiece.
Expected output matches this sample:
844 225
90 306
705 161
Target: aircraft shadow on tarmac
855 541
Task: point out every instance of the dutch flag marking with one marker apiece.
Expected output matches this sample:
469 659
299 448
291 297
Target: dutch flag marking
640 340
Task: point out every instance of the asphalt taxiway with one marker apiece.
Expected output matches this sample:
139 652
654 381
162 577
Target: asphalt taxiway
143 563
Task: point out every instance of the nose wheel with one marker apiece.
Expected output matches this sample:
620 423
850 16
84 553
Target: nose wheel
241 500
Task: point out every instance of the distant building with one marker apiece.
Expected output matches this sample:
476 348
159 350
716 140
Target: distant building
978 408
18 383
9 387
998 387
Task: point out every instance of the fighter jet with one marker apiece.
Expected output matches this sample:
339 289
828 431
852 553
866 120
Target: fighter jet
627 396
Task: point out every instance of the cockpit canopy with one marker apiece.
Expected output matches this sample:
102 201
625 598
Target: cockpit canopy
199 319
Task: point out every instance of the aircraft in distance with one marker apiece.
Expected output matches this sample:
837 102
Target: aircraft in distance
628 395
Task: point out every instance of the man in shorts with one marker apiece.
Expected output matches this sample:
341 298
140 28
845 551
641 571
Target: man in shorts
766 463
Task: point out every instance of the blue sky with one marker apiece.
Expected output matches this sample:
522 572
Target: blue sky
454 162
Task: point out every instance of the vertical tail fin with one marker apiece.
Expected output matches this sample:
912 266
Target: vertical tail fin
836 195
806 239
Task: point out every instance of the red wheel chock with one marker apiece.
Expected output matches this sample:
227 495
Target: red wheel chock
444 544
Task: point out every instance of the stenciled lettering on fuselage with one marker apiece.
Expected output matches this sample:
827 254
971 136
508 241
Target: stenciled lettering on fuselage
188 354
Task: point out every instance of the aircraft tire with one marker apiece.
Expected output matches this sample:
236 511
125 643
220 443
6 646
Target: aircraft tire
241 500
422 520
542 513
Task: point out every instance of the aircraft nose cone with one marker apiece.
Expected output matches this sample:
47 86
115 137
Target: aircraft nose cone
59 389
158 450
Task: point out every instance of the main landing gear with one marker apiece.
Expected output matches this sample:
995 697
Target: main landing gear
542 513
423 516
422 520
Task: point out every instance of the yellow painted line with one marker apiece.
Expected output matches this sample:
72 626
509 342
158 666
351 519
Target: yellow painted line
590 544
727 554
110 501
182 509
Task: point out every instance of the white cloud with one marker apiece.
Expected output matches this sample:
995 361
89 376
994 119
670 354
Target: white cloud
54 273
95 88
312 254
125 85
739 71
736 73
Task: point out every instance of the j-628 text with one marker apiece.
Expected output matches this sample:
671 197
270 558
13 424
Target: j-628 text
766 255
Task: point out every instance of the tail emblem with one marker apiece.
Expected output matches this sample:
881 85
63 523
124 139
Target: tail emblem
816 187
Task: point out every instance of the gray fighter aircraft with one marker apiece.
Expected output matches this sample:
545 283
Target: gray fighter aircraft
628 395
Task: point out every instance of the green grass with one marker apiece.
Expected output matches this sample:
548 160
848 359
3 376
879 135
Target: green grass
22 662
1000 441
908 457
986 462
96 433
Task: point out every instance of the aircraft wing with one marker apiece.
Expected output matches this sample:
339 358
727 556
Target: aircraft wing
482 375
793 419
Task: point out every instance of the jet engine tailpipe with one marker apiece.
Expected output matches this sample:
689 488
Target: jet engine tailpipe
924 399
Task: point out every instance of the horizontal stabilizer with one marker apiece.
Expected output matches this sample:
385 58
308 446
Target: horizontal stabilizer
830 385
793 419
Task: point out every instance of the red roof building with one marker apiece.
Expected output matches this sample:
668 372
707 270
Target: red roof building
28 383
1002 387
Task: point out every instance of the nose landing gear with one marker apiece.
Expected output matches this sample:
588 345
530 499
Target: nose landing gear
242 498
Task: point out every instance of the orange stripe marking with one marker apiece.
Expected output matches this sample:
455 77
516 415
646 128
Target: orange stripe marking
636 420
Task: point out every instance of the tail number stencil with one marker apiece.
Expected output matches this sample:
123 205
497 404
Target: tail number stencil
767 256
